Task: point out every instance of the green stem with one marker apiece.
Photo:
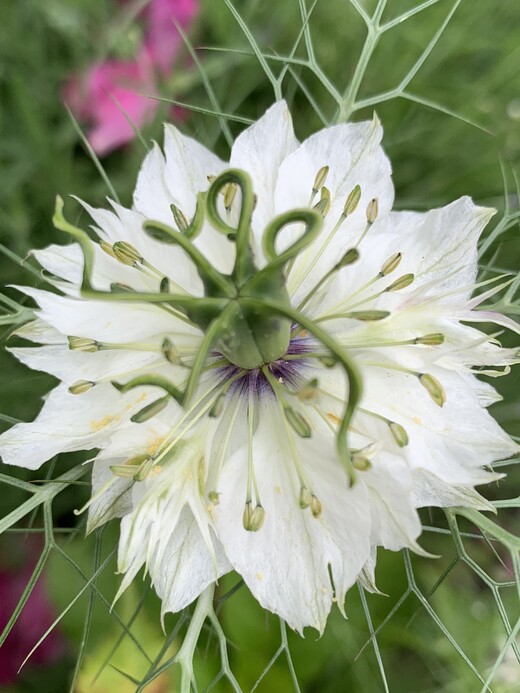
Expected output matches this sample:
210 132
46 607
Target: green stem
244 262
185 655
211 278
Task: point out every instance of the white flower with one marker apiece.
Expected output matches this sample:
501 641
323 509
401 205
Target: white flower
257 472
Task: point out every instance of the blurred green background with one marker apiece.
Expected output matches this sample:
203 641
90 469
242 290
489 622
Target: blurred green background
473 70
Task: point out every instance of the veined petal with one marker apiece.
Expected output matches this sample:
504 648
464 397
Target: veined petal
68 422
285 563
260 150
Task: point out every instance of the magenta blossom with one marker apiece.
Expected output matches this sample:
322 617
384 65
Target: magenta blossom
112 95
34 619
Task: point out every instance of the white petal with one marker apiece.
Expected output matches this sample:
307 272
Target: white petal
115 494
430 491
108 321
260 150
69 422
71 366
188 567
395 522
285 563
355 157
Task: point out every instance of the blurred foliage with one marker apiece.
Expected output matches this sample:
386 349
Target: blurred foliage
473 71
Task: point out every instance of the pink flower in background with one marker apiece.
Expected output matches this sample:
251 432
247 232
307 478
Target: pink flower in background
111 95
36 616
162 39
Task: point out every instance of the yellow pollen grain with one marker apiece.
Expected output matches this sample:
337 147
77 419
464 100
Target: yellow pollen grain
335 419
304 333
99 424
324 590
260 576
156 470
417 420
278 490
334 599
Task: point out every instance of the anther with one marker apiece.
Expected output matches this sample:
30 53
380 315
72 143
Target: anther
320 179
433 387
305 497
127 254
170 352
352 201
399 433
82 344
257 519
316 506
218 406
297 422
164 286
328 360
348 259
117 286
247 515
107 248
150 410
179 218
434 339
214 497
391 264
401 283
372 210
309 391
81 386
229 195
368 315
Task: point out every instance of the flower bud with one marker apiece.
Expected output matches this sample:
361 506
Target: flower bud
127 254
81 386
401 283
352 201
391 264
433 387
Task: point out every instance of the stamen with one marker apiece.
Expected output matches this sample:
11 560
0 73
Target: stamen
309 391
305 497
398 432
352 202
170 352
316 507
180 218
127 254
81 386
401 283
433 387
83 344
298 422
391 264
150 410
